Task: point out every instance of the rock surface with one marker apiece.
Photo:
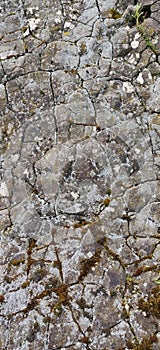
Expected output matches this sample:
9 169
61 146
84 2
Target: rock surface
80 181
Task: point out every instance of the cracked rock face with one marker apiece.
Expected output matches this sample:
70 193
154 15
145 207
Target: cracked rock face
80 183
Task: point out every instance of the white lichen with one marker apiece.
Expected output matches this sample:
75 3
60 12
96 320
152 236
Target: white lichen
33 22
127 87
134 44
140 79
4 190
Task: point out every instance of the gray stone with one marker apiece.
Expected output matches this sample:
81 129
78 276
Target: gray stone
3 100
153 103
60 55
79 175
104 5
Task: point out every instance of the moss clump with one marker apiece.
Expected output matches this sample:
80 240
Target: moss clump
108 191
113 293
42 92
58 309
113 13
130 283
83 48
152 305
85 340
25 284
55 28
63 299
106 201
16 262
82 303
146 343
87 264
62 293
80 224
31 245
73 71
143 268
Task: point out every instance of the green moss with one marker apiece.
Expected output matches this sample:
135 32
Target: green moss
108 191
113 293
42 92
130 279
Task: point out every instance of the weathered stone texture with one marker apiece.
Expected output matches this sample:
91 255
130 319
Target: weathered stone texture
79 190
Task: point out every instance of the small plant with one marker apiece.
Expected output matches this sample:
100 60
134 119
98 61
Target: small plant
138 13
138 16
157 280
147 38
